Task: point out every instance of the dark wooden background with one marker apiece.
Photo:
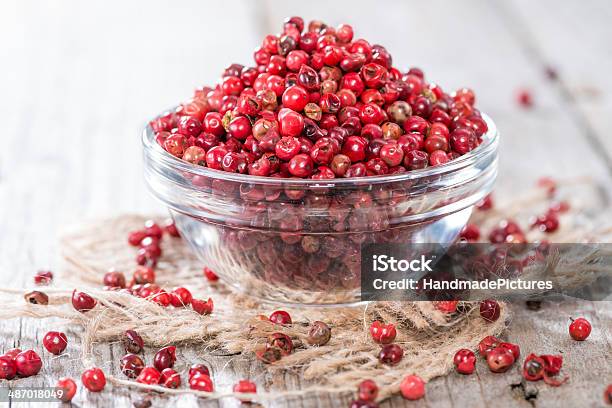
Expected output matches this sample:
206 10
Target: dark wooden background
78 79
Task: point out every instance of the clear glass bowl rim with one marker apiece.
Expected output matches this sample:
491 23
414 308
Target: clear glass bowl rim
488 146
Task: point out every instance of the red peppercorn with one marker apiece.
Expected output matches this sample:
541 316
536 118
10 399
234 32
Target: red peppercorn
201 382
487 344
301 165
322 152
367 391
533 368
136 237
248 76
213 123
524 98
180 297
162 298
580 329
507 231
270 44
374 75
328 121
440 129
323 173
296 59
189 126
371 113
295 97
268 355
43 277
287 148
470 233
214 157
363 47
500 359
8 368
114 279
548 184
93 379
36 298
486 203
446 306
67 389
280 341
152 229
234 162
195 155
149 375
232 85
131 365
559 207
355 148
55 342
344 33
144 274
438 157
165 358
390 354
392 154
132 342
412 387
416 159
82 302
372 132
308 78
170 378
548 222
280 317
151 245
170 226
513 348
381 333
245 387
330 103
465 361
463 140
353 82
465 95
290 123
203 307
608 395
210 275
489 310
357 170
198 369
239 127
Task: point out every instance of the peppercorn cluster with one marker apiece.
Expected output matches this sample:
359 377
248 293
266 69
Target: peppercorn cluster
320 104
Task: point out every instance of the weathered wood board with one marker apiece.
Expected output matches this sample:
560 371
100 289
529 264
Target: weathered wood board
79 79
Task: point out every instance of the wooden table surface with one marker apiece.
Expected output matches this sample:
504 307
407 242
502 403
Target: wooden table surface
79 79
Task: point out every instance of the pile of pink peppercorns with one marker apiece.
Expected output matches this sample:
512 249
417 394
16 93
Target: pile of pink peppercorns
319 104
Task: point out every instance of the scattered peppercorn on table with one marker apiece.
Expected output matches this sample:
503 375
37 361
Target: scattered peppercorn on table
81 91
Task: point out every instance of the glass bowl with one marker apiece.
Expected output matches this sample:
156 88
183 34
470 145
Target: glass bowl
299 240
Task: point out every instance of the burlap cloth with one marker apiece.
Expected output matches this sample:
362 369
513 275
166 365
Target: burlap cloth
429 338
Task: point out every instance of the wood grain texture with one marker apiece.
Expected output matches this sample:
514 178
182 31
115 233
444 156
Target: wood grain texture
79 79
